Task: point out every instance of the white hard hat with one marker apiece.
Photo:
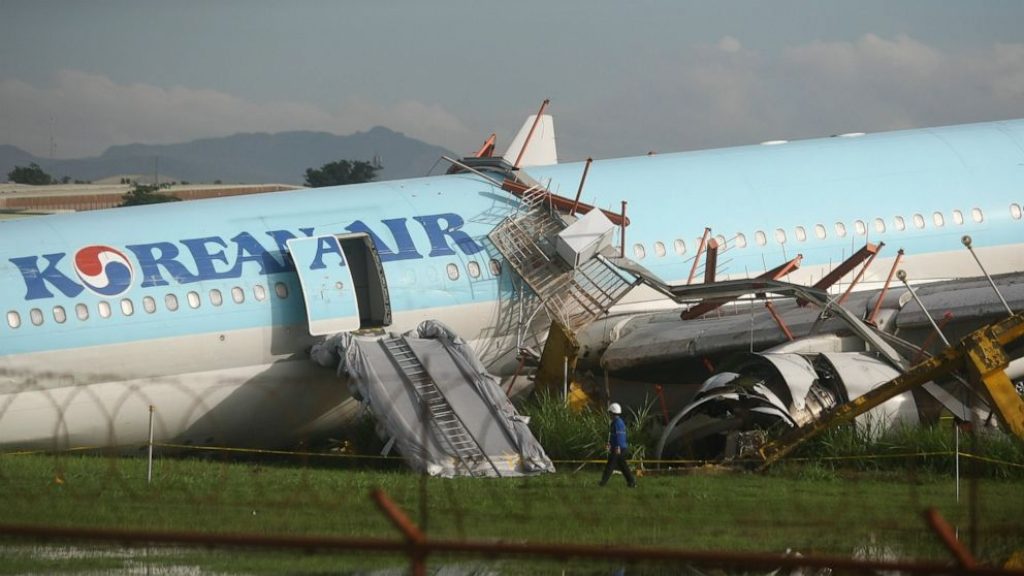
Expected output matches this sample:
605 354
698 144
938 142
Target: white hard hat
614 408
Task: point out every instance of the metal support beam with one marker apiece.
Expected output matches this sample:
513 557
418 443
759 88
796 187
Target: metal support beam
843 269
529 135
711 261
696 257
710 304
980 353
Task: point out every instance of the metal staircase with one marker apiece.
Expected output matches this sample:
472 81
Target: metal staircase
575 297
445 422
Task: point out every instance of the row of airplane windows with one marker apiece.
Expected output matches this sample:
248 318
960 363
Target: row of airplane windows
149 304
473 269
860 228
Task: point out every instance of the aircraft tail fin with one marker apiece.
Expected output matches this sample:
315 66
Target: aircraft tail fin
541 149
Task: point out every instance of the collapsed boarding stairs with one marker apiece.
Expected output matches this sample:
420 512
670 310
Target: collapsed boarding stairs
446 414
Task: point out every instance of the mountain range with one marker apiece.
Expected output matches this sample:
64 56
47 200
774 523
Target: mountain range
243 158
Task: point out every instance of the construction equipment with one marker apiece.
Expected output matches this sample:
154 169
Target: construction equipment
980 354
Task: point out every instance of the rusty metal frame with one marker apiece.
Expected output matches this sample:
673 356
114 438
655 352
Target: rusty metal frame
710 304
417 546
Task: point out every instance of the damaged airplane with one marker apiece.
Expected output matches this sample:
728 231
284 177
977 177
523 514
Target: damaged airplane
207 310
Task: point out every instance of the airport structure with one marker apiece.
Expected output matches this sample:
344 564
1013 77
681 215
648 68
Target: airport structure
23 198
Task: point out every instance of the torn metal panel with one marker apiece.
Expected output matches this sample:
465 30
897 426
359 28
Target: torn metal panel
770 392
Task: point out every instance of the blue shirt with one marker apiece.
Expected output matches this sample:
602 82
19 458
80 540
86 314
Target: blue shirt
617 433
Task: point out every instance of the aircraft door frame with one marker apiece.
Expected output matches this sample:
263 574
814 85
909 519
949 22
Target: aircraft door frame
342 281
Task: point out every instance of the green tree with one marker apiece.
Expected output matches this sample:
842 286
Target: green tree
145 194
341 172
33 174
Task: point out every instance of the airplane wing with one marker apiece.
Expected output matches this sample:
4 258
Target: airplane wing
663 337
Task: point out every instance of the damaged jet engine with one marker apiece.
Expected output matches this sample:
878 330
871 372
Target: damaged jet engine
767 393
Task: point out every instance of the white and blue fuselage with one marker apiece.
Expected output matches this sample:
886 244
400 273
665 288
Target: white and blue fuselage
196 308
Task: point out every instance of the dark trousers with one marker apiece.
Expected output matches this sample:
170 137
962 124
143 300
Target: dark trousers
618 461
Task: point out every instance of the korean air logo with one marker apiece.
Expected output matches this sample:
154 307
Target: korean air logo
104 270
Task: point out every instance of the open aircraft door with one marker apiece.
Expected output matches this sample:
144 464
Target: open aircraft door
343 283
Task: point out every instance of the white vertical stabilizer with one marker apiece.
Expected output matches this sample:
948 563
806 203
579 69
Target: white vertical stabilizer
541 150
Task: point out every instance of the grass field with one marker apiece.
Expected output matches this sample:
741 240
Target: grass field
809 508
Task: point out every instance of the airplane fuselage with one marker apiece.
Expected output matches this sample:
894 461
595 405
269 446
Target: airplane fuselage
196 308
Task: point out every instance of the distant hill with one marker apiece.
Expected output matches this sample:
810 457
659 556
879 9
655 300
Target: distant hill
244 158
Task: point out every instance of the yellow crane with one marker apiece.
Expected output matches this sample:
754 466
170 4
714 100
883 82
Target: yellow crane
980 355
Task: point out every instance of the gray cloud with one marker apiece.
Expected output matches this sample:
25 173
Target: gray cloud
91 112
715 94
725 94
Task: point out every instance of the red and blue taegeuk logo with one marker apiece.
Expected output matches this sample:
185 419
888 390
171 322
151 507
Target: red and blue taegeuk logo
104 270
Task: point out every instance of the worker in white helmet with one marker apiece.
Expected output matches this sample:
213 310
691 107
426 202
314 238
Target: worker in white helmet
618 449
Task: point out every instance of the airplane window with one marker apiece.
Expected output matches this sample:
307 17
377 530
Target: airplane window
1015 211
820 232
104 308
918 221
938 219
801 234
495 267
193 299
259 292
659 248
148 304
82 311
36 315
879 225
127 307
13 319
216 298
899 223
760 238
679 246
741 240
640 251
59 314
721 242
237 295
958 217
860 227
281 289
977 216
473 269
780 235
840 229
171 301
453 271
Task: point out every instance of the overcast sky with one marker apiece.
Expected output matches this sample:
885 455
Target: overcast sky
624 77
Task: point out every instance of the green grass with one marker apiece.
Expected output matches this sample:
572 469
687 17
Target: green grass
813 509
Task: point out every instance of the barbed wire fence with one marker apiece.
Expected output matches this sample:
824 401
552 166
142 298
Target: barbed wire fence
354 508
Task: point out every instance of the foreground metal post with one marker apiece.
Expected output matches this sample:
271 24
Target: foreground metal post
413 536
149 467
945 533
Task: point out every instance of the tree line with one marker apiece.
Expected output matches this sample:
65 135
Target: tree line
337 173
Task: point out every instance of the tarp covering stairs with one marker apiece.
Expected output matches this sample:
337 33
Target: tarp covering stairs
447 415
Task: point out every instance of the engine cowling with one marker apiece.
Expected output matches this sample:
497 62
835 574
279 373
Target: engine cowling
765 394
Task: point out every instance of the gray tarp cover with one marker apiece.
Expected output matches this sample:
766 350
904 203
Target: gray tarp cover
473 393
